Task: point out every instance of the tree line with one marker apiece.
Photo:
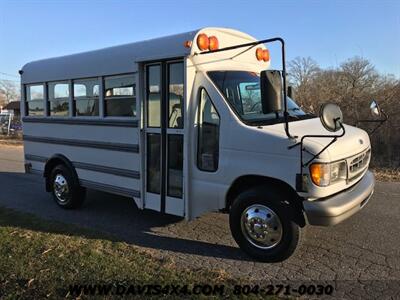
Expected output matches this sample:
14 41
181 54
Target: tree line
352 85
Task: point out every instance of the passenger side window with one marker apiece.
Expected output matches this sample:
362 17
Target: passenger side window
86 97
58 99
208 134
34 100
120 96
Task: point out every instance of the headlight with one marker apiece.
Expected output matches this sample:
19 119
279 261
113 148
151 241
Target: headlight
323 174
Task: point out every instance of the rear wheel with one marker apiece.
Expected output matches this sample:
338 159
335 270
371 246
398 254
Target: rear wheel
262 224
65 188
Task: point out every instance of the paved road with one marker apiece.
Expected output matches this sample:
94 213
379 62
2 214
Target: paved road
364 247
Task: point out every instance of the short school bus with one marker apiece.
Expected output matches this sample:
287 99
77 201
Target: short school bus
183 125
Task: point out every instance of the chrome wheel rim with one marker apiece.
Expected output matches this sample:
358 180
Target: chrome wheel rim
261 226
60 186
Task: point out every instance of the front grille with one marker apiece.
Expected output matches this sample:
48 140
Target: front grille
358 163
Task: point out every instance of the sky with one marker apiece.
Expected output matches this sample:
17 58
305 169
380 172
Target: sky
329 32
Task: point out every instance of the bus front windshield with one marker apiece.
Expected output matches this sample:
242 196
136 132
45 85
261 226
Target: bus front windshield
241 89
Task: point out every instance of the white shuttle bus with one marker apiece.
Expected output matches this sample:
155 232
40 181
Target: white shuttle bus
192 123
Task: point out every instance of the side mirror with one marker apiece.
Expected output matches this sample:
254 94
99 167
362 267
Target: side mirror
375 109
271 91
331 116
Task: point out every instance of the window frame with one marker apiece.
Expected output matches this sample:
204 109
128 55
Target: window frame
201 88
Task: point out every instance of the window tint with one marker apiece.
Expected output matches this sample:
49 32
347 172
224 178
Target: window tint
86 97
175 97
58 98
120 97
35 100
208 134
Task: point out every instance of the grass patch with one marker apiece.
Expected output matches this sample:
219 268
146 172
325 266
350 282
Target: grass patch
41 259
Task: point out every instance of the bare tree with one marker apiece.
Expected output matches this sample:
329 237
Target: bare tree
9 91
302 72
359 79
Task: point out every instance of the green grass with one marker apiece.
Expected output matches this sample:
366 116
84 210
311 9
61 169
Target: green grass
41 259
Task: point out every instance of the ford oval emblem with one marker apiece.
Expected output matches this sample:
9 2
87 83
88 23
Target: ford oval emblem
361 141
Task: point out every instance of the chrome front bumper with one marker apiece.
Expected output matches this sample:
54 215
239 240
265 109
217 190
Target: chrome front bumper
332 210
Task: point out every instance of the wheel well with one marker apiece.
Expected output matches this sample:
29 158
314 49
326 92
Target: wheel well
55 160
249 181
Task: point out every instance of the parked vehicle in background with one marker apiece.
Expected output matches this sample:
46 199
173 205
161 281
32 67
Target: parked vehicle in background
191 123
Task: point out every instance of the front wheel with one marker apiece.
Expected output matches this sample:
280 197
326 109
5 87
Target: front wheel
262 225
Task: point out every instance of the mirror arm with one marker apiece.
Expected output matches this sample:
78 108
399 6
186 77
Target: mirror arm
380 121
323 149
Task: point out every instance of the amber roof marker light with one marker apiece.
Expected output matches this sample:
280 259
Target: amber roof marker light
213 43
259 54
203 42
262 54
265 55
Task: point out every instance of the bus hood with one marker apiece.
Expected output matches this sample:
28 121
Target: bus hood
354 141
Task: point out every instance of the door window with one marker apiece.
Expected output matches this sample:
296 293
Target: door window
175 165
154 96
175 97
153 162
208 134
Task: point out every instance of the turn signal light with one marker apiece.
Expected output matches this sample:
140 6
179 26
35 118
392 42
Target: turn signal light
187 44
320 174
203 41
262 54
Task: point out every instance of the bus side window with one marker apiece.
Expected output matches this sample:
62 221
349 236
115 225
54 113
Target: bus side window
34 100
120 96
58 99
208 134
86 97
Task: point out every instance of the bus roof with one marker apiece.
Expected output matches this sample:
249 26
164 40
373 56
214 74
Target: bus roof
122 59
108 61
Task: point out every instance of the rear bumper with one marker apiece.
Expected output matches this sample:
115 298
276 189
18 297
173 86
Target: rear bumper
335 209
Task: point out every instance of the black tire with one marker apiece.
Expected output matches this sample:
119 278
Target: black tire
75 195
273 200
